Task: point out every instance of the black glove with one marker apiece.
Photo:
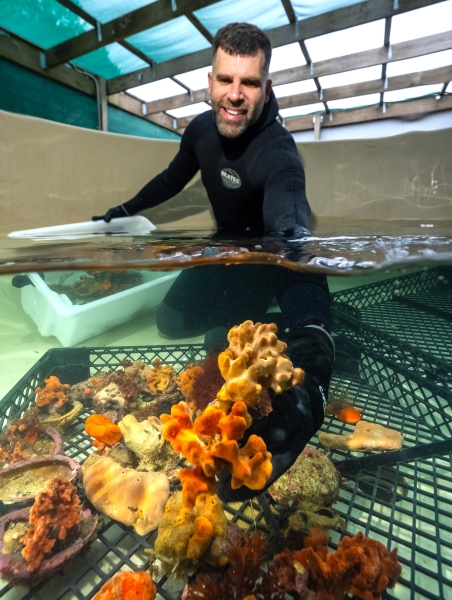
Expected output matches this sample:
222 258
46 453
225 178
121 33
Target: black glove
297 413
293 232
113 213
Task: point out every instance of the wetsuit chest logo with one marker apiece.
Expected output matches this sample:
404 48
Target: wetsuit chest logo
230 179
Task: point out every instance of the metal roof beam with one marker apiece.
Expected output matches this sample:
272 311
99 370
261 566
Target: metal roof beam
412 108
369 87
117 29
177 101
369 58
170 68
343 18
133 105
350 16
289 10
200 27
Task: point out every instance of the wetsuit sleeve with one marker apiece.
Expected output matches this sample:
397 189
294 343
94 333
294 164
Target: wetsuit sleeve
286 208
172 180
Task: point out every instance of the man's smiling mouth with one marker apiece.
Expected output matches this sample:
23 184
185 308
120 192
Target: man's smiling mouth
233 112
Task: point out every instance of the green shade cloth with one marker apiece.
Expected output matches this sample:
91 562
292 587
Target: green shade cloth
31 94
169 40
111 61
45 23
107 10
265 14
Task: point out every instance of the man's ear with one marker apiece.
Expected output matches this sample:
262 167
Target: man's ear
268 87
209 81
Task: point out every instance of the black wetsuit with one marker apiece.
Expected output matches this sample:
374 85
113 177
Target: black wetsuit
255 184
255 181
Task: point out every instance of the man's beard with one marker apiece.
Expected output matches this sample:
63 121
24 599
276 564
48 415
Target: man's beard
233 129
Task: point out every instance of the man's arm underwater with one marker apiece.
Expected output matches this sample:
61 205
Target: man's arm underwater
164 186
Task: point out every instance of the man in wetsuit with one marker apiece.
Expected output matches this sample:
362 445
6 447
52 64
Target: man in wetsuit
255 182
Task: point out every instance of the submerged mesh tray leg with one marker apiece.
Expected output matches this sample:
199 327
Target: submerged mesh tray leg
277 542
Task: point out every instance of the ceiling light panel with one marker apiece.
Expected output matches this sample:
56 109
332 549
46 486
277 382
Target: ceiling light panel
355 102
195 80
414 92
421 22
286 57
420 63
347 41
188 111
300 111
349 77
299 87
157 90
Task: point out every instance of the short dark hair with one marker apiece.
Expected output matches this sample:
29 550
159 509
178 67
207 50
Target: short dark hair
243 39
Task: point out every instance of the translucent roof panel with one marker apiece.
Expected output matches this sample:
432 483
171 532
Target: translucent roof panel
157 90
45 23
449 88
354 102
169 40
299 111
349 77
421 22
188 111
265 14
420 63
111 61
195 80
286 57
298 87
304 9
347 41
413 92
106 10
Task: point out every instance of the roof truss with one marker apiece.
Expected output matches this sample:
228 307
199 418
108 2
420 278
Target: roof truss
54 62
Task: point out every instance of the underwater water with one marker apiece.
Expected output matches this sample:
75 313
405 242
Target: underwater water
74 308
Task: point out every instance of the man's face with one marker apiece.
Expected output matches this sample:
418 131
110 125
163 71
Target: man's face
238 91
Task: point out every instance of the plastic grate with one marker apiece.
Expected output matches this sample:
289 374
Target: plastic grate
403 499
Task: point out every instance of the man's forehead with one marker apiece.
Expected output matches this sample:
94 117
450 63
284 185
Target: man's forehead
223 60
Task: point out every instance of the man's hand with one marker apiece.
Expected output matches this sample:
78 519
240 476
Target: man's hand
297 413
112 213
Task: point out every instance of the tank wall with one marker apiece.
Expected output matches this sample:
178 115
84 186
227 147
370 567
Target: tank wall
52 173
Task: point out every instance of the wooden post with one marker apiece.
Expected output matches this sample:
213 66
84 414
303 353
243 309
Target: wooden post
103 108
317 120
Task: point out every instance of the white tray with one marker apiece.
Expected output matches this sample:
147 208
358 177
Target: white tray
54 313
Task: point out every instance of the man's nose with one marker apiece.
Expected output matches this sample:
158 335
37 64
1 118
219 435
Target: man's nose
235 92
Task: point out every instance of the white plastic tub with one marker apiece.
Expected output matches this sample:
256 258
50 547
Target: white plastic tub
54 313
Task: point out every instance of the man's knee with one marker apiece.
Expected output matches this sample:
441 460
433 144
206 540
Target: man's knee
173 324
169 321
